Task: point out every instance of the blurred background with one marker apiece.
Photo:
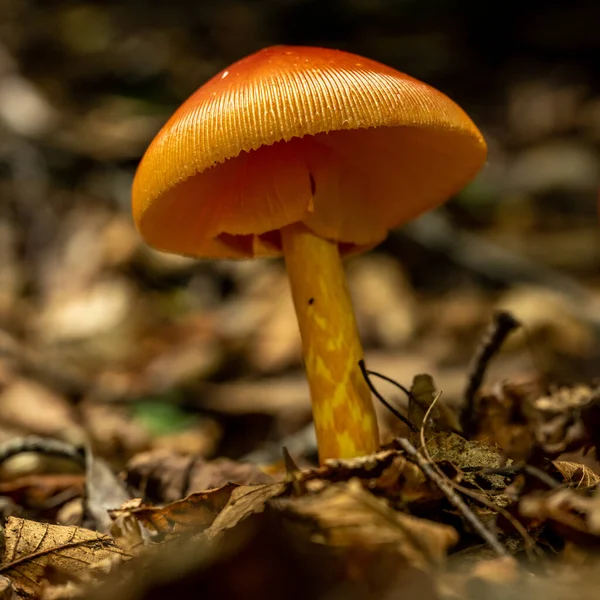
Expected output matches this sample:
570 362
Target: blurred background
102 337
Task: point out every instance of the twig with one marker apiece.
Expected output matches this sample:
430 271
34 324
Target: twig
389 380
503 324
396 413
536 472
453 497
424 423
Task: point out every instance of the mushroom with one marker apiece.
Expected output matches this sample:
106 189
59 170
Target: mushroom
315 154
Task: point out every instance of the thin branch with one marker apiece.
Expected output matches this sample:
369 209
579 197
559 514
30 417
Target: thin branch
535 472
396 413
390 380
501 327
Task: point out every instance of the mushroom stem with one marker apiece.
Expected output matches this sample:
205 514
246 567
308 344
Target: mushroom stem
343 411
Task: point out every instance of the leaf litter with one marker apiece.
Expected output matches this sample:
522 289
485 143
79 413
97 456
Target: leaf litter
435 513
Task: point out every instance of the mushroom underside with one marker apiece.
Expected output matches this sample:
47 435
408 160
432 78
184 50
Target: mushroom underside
349 186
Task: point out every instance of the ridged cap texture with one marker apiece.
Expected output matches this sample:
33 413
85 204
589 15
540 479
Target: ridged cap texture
344 144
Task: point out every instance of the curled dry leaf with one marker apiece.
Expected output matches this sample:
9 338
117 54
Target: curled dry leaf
195 512
523 418
364 467
567 419
581 476
345 515
127 530
31 548
386 473
501 420
245 500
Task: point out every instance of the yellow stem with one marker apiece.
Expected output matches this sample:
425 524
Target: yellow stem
342 407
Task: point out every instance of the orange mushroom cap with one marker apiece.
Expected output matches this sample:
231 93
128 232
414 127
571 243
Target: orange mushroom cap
344 144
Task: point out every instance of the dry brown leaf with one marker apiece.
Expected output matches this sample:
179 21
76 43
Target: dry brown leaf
245 501
566 419
572 472
166 476
423 393
463 453
37 490
364 467
196 511
345 515
126 529
31 548
500 419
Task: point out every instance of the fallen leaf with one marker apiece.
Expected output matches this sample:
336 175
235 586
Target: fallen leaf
566 419
364 467
345 515
197 511
166 476
423 393
31 548
462 453
501 419
245 501
37 490
576 473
